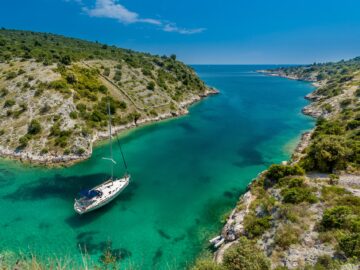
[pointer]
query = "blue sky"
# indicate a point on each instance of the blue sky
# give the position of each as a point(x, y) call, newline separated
point(203, 31)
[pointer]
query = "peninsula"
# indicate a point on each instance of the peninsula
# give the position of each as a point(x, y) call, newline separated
point(54, 92)
point(304, 214)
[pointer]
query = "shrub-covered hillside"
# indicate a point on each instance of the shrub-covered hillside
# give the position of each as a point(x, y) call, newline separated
point(305, 214)
point(54, 93)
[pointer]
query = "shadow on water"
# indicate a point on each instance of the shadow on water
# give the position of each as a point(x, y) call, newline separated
point(58, 186)
point(187, 127)
point(63, 187)
point(157, 256)
point(6, 177)
point(233, 194)
point(163, 234)
point(204, 179)
point(179, 238)
point(15, 220)
point(249, 156)
point(85, 242)
point(44, 225)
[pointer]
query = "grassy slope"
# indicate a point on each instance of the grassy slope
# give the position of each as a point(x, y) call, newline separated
point(64, 83)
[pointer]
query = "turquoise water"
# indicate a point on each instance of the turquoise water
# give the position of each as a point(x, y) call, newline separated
point(187, 172)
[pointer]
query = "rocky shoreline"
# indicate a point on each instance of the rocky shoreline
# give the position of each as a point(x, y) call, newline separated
point(67, 160)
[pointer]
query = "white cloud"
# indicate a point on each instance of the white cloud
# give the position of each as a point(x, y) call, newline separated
point(113, 10)
point(170, 27)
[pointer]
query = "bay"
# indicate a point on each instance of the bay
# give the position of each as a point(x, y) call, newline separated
point(187, 173)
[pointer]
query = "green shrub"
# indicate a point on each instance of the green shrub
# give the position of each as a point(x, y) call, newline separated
point(327, 107)
point(71, 78)
point(277, 171)
point(354, 124)
point(103, 89)
point(327, 153)
point(332, 193)
point(245, 256)
point(44, 151)
point(58, 84)
point(350, 245)
point(11, 75)
point(336, 217)
point(297, 195)
point(325, 262)
point(207, 264)
point(286, 236)
point(34, 127)
point(106, 71)
point(117, 76)
point(4, 92)
point(151, 86)
point(122, 105)
point(24, 140)
point(81, 107)
point(66, 60)
point(9, 103)
point(80, 151)
point(46, 108)
point(73, 115)
point(345, 102)
point(256, 226)
point(290, 182)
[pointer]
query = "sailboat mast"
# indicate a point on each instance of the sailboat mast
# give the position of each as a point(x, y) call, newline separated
point(110, 140)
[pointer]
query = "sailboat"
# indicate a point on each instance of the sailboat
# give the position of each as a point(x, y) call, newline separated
point(92, 199)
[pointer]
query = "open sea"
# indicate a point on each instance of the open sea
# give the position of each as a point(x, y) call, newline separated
point(187, 173)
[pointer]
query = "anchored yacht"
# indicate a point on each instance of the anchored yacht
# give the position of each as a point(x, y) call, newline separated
point(91, 199)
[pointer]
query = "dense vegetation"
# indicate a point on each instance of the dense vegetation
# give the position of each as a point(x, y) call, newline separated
point(49, 48)
point(335, 141)
point(334, 72)
point(285, 198)
point(64, 85)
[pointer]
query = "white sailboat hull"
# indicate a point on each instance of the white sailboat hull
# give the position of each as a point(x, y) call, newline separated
point(109, 191)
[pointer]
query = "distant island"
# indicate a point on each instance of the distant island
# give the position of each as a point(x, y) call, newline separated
point(304, 213)
point(54, 92)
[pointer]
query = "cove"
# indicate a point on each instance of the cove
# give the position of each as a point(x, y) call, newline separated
point(186, 174)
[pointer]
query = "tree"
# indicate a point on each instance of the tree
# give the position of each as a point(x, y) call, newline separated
point(327, 153)
point(350, 245)
point(9, 103)
point(336, 217)
point(34, 127)
point(24, 140)
point(173, 57)
point(66, 60)
point(151, 86)
point(71, 78)
point(277, 171)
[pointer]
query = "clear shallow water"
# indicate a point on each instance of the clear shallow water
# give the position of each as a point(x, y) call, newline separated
point(186, 172)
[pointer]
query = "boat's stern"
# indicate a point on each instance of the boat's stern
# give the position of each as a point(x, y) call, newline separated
point(79, 208)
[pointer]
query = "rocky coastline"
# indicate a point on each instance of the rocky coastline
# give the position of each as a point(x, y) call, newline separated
point(28, 157)
point(234, 226)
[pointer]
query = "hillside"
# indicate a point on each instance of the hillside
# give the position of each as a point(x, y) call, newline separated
point(54, 92)
point(305, 214)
